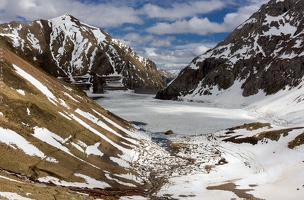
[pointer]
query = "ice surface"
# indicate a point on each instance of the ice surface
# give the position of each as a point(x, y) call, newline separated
point(184, 118)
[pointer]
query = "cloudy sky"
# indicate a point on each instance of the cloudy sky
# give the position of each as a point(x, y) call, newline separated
point(169, 32)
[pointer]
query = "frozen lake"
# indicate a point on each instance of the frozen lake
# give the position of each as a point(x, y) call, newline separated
point(183, 118)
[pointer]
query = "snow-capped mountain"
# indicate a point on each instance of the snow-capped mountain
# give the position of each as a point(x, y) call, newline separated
point(67, 47)
point(264, 54)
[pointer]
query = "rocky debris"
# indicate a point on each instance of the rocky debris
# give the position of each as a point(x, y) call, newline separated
point(264, 53)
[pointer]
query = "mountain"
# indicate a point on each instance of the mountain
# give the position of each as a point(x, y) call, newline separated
point(68, 48)
point(168, 76)
point(262, 55)
point(55, 141)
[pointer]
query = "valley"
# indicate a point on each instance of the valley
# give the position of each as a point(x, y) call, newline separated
point(205, 159)
point(230, 125)
point(183, 118)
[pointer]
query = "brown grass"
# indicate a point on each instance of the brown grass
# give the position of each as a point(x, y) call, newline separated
point(299, 140)
point(251, 126)
point(45, 114)
point(232, 187)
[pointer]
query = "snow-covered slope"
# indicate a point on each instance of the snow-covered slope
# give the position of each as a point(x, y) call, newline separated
point(259, 64)
point(67, 47)
point(264, 53)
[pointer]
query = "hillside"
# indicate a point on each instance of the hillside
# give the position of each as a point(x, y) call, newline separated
point(262, 55)
point(80, 53)
point(54, 139)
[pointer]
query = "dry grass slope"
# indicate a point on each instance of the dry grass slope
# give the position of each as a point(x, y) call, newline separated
point(25, 108)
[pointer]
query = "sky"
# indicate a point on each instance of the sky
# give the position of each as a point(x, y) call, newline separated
point(169, 32)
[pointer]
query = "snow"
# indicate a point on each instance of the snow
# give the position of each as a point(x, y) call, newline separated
point(118, 181)
point(28, 111)
point(284, 27)
point(95, 120)
point(93, 149)
point(90, 182)
point(184, 118)
point(120, 162)
point(256, 168)
point(64, 115)
point(53, 160)
point(21, 92)
point(14, 140)
point(259, 165)
point(68, 95)
point(127, 154)
point(13, 196)
point(10, 179)
point(43, 89)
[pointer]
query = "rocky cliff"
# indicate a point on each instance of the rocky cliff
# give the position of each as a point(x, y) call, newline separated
point(265, 53)
point(66, 47)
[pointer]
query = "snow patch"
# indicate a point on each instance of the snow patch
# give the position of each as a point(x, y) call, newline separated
point(43, 89)
point(16, 141)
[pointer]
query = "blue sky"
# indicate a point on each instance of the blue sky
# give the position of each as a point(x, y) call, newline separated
point(169, 32)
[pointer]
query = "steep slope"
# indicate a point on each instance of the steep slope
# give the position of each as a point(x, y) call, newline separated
point(52, 133)
point(264, 54)
point(72, 49)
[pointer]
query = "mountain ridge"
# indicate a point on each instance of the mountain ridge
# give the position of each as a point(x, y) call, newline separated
point(255, 53)
point(73, 48)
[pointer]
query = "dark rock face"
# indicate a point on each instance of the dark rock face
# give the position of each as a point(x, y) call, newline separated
point(264, 53)
point(66, 47)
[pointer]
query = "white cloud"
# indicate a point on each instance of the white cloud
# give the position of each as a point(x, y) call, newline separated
point(232, 20)
point(203, 26)
point(149, 40)
point(182, 10)
point(196, 48)
point(195, 25)
point(101, 15)
point(176, 58)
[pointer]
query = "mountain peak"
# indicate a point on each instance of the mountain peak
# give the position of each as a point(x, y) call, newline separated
point(80, 53)
point(264, 54)
point(65, 17)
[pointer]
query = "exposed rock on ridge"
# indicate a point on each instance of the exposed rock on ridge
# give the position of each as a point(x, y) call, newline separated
point(264, 53)
point(66, 47)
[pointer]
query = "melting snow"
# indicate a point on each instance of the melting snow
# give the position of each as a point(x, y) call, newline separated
point(94, 150)
point(13, 196)
point(21, 92)
point(10, 179)
point(120, 162)
point(64, 115)
point(28, 111)
point(43, 89)
point(14, 140)
point(90, 182)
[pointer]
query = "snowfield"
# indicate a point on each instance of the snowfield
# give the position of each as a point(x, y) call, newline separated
point(184, 118)
point(205, 166)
